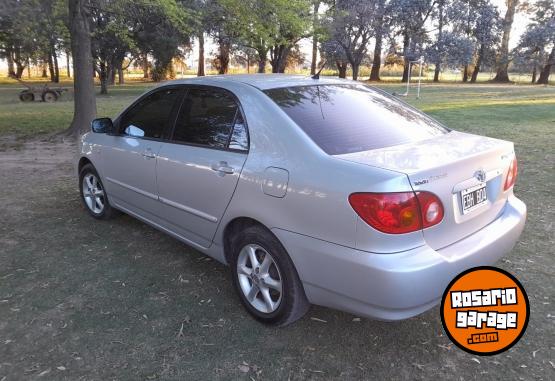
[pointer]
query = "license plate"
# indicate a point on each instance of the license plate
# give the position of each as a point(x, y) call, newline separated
point(473, 198)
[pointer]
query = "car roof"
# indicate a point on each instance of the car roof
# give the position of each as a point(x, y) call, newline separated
point(263, 81)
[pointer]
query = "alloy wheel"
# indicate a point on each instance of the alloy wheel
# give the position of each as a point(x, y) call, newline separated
point(259, 278)
point(93, 193)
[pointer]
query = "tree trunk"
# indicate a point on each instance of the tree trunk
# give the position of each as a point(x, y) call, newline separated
point(9, 58)
point(441, 5)
point(546, 71)
point(314, 62)
point(356, 68)
point(145, 66)
point(465, 74)
point(262, 60)
point(377, 60)
point(341, 68)
point(28, 68)
point(476, 71)
point(503, 56)
point(19, 69)
point(68, 53)
point(84, 104)
point(103, 77)
point(200, 68)
point(56, 67)
point(44, 74)
point(223, 56)
point(50, 67)
point(111, 74)
point(406, 59)
point(278, 58)
point(121, 79)
point(534, 74)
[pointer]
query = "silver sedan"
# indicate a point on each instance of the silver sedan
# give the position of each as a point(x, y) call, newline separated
point(319, 191)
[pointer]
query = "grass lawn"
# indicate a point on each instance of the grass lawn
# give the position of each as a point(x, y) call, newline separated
point(482, 108)
point(87, 299)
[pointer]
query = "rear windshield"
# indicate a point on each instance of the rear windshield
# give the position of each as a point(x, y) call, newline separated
point(353, 118)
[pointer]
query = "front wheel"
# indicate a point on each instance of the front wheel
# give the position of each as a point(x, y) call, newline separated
point(49, 96)
point(265, 278)
point(93, 194)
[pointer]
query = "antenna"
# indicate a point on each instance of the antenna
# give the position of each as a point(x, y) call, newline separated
point(317, 75)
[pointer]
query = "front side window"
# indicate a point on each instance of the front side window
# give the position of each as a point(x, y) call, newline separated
point(151, 116)
point(211, 117)
point(353, 118)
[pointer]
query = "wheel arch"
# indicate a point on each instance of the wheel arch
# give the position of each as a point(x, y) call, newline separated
point(82, 162)
point(233, 227)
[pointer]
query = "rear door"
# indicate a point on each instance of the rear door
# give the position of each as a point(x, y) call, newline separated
point(198, 170)
point(130, 155)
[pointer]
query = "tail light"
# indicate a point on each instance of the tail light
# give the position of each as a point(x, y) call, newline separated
point(398, 213)
point(511, 175)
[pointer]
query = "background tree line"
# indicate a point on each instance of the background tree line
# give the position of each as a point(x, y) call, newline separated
point(465, 34)
point(104, 37)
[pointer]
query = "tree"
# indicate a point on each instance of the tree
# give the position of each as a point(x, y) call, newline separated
point(111, 39)
point(503, 55)
point(486, 34)
point(84, 104)
point(410, 17)
point(20, 40)
point(272, 31)
point(382, 22)
point(478, 22)
point(440, 40)
point(537, 44)
point(159, 28)
point(334, 54)
point(453, 50)
point(315, 35)
point(350, 24)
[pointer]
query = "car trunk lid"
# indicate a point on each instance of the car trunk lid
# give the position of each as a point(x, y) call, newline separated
point(455, 167)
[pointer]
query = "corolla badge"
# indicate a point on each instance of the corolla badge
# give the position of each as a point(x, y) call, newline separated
point(480, 175)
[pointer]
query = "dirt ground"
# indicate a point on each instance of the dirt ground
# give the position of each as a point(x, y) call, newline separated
point(87, 300)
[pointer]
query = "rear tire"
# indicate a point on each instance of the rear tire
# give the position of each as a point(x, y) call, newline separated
point(26, 96)
point(265, 278)
point(93, 194)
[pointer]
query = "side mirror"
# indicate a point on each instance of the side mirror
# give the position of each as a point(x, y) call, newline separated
point(102, 125)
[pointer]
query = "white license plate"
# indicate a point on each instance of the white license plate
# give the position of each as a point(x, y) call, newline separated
point(474, 197)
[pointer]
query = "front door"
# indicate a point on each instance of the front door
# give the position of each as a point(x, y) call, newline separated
point(198, 170)
point(129, 160)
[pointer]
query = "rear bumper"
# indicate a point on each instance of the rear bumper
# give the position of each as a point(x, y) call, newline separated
point(401, 285)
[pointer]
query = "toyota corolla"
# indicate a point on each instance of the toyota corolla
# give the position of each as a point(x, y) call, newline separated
point(320, 191)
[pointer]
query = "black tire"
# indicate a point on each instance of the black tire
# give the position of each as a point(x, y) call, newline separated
point(107, 211)
point(49, 96)
point(26, 96)
point(294, 303)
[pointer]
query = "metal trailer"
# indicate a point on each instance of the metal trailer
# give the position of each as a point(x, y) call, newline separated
point(45, 93)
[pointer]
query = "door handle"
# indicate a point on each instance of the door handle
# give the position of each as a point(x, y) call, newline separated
point(222, 168)
point(148, 154)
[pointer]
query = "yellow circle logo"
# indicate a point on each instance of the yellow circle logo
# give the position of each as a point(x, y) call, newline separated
point(485, 310)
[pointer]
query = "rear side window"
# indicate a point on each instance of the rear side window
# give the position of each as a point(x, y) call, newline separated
point(150, 117)
point(353, 118)
point(210, 117)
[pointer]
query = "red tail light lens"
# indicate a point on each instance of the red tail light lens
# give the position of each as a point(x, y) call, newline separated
point(431, 208)
point(398, 213)
point(511, 174)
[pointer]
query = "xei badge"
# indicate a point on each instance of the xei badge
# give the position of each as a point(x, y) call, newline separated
point(485, 310)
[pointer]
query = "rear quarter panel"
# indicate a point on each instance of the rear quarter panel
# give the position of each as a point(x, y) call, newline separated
point(316, 203)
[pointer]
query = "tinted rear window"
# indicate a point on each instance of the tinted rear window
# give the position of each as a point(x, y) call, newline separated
point(352, 118)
